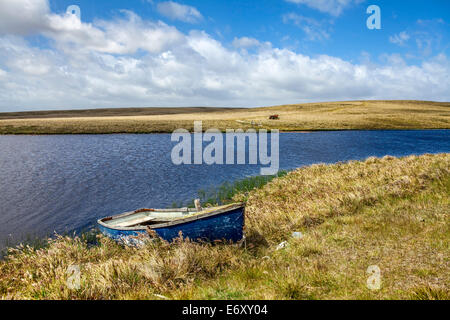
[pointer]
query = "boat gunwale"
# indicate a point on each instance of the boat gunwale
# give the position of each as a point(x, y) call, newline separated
point(129, 213)
point(180, 221)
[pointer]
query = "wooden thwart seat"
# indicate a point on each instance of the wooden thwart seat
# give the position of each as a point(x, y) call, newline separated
point(134, 222)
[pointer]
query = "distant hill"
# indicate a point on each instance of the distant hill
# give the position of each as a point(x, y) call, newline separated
point(109, 112)
point(346, 115)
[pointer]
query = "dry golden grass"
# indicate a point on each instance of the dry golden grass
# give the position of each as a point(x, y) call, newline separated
point(355, 115)
point(393, 213)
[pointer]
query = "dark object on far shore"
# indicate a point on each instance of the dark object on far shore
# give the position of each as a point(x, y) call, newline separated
point(274, 117)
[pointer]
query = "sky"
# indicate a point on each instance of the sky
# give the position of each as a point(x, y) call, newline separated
point(224, 53)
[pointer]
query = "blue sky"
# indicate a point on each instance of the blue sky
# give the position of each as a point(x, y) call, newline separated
point(348, 35)
point(221, 53)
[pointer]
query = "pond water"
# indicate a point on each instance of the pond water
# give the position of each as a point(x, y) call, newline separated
point(65, 183)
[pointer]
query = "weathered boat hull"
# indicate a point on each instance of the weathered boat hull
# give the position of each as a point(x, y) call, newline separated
point(227, 225)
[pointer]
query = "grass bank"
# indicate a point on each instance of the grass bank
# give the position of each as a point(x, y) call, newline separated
point(391, 213)
point(226, 192)
point(352, 115)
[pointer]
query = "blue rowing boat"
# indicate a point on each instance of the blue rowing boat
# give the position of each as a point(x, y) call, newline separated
point(211, 224)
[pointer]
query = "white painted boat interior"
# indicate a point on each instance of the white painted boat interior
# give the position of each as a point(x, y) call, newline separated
point(144, 217)
point(155, 217)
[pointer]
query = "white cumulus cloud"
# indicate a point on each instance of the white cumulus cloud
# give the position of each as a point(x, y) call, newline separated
point(23, 16)
point(245, 42)
point(122, 36)
point(132, 62)
point(314, 30)
point(400, 39)
point(177, 11)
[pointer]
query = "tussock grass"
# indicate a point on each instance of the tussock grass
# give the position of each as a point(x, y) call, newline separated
point(227, 191)
point(389, 212)
point(353, 115)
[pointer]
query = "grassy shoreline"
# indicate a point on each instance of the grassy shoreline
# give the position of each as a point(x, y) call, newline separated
point(330, 116)
point(223, 131)
point(389, 212)
point(214, 196)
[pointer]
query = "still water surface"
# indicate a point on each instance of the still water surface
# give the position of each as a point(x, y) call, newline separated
point(65, 183)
